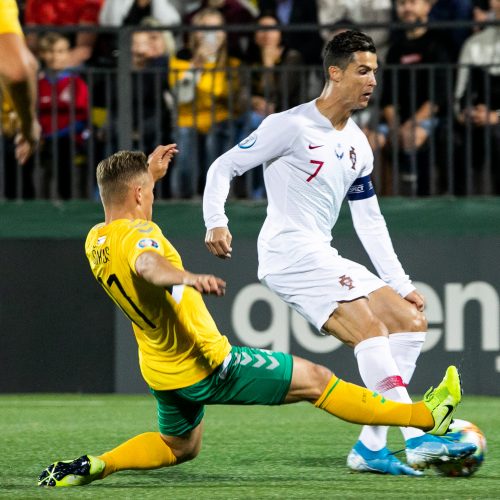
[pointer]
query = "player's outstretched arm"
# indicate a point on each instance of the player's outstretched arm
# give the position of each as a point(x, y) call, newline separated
point(218, 241)
point(18, 69)
point(158, 271)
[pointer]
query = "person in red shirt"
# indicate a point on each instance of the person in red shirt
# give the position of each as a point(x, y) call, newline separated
point(65, 13)
point(63, 113)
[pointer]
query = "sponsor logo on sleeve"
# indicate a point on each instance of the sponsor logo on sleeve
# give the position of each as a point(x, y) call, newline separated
point(148, 243)
point(248, 142)
point(356, 189)
point(361, 189)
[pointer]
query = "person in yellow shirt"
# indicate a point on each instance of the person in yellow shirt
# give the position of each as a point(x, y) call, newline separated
point(204, 79)
point(18, 78)
point(183, 357)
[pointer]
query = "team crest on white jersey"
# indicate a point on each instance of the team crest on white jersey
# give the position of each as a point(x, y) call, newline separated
point(352, 157)
point(345, 280)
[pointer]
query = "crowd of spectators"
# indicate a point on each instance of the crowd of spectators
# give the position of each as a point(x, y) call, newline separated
point(207, 89)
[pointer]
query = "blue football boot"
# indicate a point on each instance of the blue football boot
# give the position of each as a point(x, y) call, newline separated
point(422, 451)
point(362, 459)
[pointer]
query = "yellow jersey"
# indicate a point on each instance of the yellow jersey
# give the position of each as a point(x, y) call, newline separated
point(215, 87)
point(179, 343)
point(9, 17)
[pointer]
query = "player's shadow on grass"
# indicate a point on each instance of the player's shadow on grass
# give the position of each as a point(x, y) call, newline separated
point(188, 477)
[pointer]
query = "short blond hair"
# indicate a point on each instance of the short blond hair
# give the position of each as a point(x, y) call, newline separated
point(115, 173)
point(152, 22)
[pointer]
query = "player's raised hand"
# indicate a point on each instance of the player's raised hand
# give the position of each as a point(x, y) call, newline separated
point(206, 283)
point(159, 160)
point(218, 241)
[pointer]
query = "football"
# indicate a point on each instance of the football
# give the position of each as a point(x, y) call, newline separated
point(465, 432)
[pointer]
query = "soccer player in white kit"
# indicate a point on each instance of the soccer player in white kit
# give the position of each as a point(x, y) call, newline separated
point(314, 155)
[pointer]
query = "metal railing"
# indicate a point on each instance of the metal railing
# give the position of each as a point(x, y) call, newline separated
point(137, 109)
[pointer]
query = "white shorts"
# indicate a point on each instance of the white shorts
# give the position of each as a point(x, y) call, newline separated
point(315, 285)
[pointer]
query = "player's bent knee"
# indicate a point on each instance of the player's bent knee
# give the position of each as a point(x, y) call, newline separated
point(416, 321)
point(355, 331)
point(321, 376)
point(187, 455)
point(183, 449)
point(309, 381)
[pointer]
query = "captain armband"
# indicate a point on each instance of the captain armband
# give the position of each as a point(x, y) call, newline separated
point(361, 189)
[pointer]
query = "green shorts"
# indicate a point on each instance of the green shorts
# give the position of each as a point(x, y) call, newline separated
point(246, 377)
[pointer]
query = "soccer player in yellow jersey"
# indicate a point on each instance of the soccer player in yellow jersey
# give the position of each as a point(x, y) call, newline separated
point(184, 359)
point(18, 77)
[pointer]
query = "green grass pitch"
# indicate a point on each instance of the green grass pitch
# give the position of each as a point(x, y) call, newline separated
point(285, 452)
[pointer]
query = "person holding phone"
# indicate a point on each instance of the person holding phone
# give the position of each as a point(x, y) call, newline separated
point(204, 79)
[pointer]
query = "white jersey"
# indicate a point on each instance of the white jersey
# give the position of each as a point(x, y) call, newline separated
point(309, 167)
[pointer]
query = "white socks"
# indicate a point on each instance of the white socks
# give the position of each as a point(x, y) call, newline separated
point(386, 366)
point(405, 349)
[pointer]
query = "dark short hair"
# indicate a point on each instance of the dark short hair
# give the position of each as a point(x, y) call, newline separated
point(339, 51)
point(48, 40)
point(115, 173)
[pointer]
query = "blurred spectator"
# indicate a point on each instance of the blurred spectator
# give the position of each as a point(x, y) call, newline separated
point(189, 7)
point(10, 125)
point(116, 13)
point(63, 114)
point(290, 12)
point(18, 69)
point(477, 105)
point(151, 51)
point(410, 114)
point(358, 12)
point(452, 10)
point(65, 13)
point(275, 83)
point(204, 80)
point(234, 12)
point(186, 7)
point(481, 11)
point(161, 43)
point(132, 12)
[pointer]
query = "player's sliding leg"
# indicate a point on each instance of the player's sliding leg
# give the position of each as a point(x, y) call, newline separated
point(143, 452)
point(359, 405)
point(77, 472)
